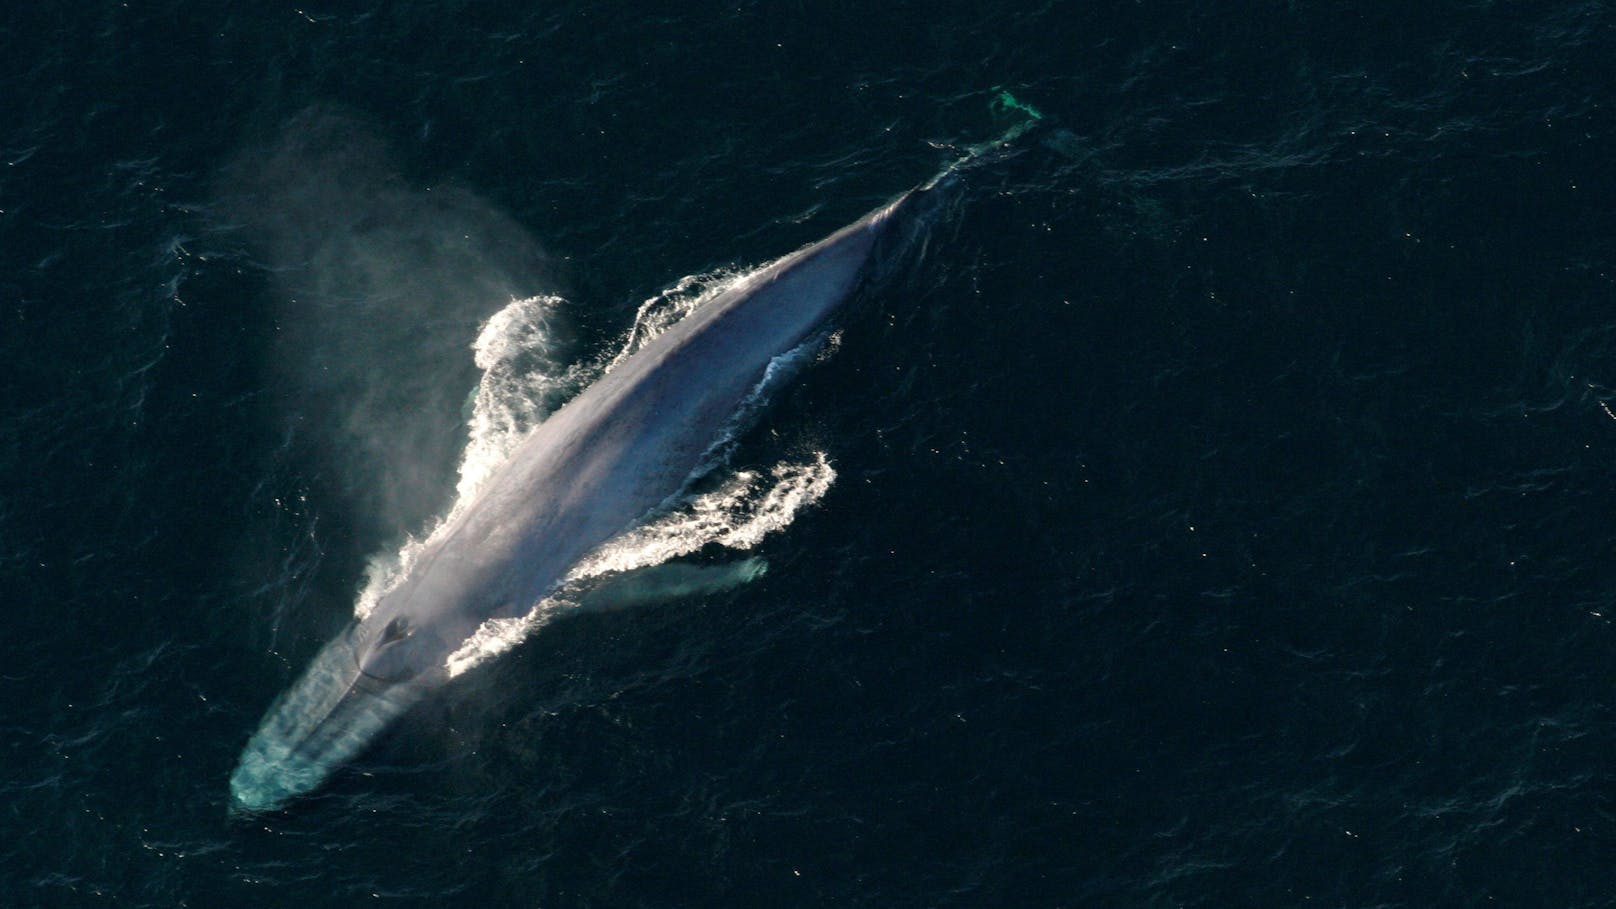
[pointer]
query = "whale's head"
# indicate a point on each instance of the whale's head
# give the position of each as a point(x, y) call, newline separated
point(364, 679)
point(359, 683)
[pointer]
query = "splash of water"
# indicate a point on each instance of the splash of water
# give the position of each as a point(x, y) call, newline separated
point(738, 515)
point(522, 383)
point(659, 313)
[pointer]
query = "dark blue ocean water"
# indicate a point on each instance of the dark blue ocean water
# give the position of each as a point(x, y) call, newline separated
point(1224, 499)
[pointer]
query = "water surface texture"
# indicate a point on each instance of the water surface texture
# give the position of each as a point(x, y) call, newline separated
point(1218, 508)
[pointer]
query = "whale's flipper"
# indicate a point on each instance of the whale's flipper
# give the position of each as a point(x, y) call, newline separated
point(668, 581)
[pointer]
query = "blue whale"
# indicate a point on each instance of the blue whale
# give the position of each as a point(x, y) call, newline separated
point(626, 445)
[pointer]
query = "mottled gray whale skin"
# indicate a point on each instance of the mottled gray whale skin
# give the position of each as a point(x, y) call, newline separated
point(594, 469)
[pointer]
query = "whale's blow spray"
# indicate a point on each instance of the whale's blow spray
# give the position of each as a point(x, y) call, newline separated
point(378, 284)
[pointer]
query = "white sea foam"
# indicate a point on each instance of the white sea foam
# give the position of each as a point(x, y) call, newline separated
point(495, 636)
point(524, 381)
point(659, 313)
point(739, 514)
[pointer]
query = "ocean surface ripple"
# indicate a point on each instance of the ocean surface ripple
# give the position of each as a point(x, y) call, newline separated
point(1215, 510)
